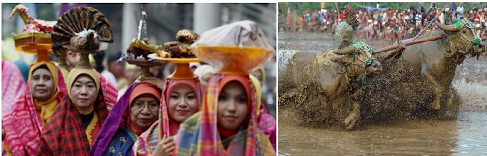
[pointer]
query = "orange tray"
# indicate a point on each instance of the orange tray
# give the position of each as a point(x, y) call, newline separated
point(182, 70)
point(233, 59)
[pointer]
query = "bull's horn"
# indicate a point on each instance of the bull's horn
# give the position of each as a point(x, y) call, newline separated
point(345, 51)
point(446, 27)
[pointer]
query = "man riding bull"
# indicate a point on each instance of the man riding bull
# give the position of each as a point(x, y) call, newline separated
point(345, 29)
point(351, 59)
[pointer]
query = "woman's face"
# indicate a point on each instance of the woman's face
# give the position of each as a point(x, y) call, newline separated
point(41, 85)
point(83, 92)
point(182, 103)
point(73, 58)
point(232, 106)
point(144, 110)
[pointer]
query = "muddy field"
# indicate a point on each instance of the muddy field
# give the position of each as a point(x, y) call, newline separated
point(465, 133)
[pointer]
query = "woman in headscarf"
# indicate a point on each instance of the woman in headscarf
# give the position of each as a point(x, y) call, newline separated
point(227, 123)
point(31, 113)
point(133, 114)
point(79, 116)
point(180, 100)
point(267, 123)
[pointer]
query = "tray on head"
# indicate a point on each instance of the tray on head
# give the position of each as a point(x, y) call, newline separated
point(233, 59)
point(139, 62)
point(174, 60)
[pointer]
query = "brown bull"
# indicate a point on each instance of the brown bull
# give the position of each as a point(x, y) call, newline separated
point(335, 77)
point(436, 61)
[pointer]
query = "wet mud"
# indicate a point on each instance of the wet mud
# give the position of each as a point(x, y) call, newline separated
point(393, 121)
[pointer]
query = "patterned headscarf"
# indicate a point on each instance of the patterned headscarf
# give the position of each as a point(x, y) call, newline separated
point(65, 133)
point(198, 135)
point(23, 125)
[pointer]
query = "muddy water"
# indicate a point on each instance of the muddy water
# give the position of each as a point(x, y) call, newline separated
point(467, 135)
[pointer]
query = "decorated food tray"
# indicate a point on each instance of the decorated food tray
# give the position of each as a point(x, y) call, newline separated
point(233, 59)
point(174, 60)
point(136, 43)
point(139, 62)
point(32, 38)
point(35, 48)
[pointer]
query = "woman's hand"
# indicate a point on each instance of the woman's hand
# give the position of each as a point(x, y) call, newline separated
point(165, 147)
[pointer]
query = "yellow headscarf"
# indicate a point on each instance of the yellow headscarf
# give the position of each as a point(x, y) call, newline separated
point(262, 72)
point(47, 107)
point(258, 91)
point(73, 74)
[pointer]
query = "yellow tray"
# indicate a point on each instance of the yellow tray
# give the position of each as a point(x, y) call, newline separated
point(233, 59)
point(35, 48)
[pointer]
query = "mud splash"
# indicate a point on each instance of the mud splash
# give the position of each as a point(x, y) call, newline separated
point(414, 133)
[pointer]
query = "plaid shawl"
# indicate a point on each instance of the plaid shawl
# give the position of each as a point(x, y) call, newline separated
point(23, 126)
point(65, 134)
point(147, 140)
point(12, 86)
point(198, 135)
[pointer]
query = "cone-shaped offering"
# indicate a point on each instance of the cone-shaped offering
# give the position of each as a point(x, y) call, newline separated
point(139, 49)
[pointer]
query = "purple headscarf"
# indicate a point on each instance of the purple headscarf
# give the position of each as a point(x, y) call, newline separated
point(114, 120)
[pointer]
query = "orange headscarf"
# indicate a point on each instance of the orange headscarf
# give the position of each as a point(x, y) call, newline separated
point(141, 89)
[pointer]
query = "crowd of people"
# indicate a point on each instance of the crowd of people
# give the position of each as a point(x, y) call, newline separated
point(108, 109)
point(388, 23)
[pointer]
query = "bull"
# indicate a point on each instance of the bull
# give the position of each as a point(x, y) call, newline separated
point(333, 77)
point(436, 61)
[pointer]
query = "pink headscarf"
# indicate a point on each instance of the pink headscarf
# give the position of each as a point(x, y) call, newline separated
point(169, 127)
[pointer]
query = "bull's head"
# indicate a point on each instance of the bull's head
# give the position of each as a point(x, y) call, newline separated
point(461, 37)
point(361, 60)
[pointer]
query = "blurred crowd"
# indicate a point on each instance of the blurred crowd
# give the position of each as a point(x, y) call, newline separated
point(387, 23)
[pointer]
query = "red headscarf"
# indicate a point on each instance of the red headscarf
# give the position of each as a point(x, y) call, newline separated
point(170, 127)
point(244, 82)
